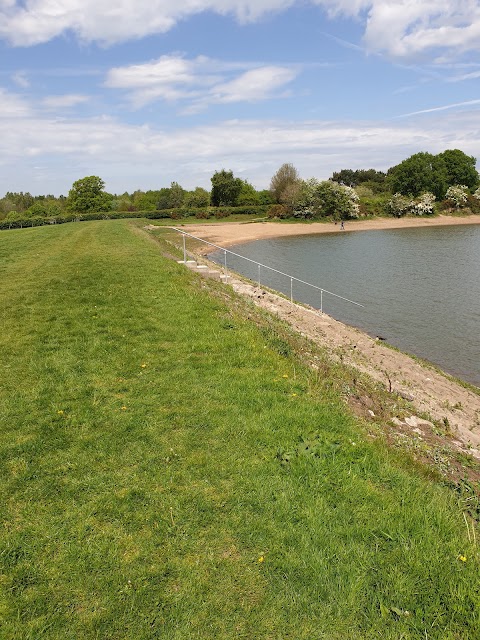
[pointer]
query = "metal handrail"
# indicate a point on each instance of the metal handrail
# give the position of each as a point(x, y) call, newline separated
point(265, 266)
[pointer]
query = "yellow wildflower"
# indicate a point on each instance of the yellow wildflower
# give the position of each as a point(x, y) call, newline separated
point(124, 408)
point(60, 412)
point(462, 558)
point(261, 559)
point(143, 366)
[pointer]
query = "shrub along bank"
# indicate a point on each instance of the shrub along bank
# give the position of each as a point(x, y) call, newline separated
point(204, 213)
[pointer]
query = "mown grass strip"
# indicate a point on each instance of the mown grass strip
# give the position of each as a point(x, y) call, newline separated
point(167, 473)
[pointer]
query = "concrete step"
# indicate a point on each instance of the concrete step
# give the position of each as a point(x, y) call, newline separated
point(205, 270)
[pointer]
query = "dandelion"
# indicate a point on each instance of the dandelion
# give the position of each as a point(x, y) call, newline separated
point(294, 395)
point(60, 412)
point(462, 558)
point(124, 408)
point(284, 375)
point(143, 366)
point(261, 559)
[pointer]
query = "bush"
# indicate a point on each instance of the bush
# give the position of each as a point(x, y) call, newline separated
point(474, 202)
point(457, 195)
point(425, 205)
point(202, 214)
point(277, 211)
point(373, 205)
point(398, 205)
point(221, 213)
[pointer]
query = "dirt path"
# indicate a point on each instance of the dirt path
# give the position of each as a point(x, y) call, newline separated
point(430, 391)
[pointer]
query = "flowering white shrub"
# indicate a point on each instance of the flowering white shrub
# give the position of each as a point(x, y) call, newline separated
point(399, 205)
point(477, 194)
point(320, 199)
point(424, 205)
point(353, 206)
point(458, 194)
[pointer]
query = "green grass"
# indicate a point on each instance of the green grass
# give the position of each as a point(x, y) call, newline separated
point(156, 482)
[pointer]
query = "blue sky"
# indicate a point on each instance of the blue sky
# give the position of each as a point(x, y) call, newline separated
point(152, 91)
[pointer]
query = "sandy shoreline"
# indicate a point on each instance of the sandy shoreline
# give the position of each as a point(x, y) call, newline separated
point(226, 234)
point(432, 392)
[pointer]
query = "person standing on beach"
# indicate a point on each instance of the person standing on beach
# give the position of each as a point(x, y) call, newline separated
point(342, 226)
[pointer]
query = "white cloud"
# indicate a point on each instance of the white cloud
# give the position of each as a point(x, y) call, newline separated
point(12, 105)
point(20, 78)
point(200, 81)
point(107, 22)
point(254, 85)
point(473, 75)
point(402, 28)
point(64, 101)
point(129, 157)
point(446, 107)
point(408, 28)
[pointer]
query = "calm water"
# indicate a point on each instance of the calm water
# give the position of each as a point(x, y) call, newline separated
point(420, 287)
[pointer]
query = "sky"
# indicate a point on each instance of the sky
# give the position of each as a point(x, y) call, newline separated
point(146, 92)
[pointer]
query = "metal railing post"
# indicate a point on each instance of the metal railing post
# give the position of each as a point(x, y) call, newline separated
point(184, 249)
point(291, 289)
point(225, 258)
point(259, 284)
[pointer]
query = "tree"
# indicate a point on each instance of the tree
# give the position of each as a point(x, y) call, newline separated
point(419, 173)
point(352, 178)
point(337, 200)
point(177, 196)
point(265, 196)
point(304, 202)
point(285, 177)
point(87, 194)
point(197, 198)
point(320, 199)
point(248, 195)
point(460, 168)
point(225, 189)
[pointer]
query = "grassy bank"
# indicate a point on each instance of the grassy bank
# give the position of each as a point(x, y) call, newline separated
point(170, 470)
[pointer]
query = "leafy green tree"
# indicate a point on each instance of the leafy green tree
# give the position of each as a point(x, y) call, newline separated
point(20, 201)
point(282, 182)
point(145, 201)
point(460, 168)
point(265, 196)
point(197, 198)
point(354, 177)
point(87, 194)
point(248, 195)
point(419, 173)
point(225, 189)
point(161, 198)
point(176, 196)
point(124, 203)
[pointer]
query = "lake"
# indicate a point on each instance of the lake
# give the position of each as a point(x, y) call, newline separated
point(420, 287)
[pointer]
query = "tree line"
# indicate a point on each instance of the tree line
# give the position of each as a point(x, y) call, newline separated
point(420, 185)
